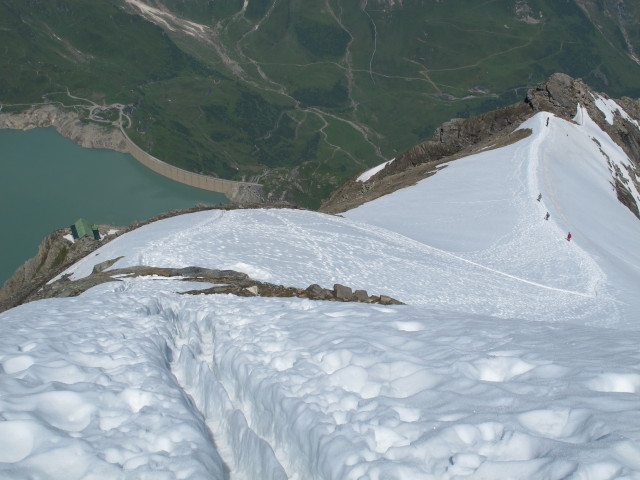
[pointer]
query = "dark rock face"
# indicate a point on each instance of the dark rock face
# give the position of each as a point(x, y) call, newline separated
point(560, 95)
point(457, 138)
point(55, 254)
point(632, 106)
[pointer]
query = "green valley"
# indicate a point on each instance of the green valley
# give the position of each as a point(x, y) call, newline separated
point(301, 95)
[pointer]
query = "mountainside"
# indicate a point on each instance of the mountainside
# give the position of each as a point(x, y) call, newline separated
point(514, 356)
point(300, 96)
point(560, 95)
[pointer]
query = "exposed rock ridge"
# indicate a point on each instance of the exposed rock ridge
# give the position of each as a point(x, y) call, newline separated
point(457, 138)
point(227, 282)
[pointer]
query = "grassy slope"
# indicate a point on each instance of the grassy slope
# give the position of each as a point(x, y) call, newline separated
point(321, 90)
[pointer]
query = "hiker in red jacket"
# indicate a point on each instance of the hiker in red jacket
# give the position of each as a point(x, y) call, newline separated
point(569, 237)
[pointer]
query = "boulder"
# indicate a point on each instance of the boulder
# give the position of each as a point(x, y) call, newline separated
point(385, 300)
point(342, 293)
point(360, 296)
point(316, 292)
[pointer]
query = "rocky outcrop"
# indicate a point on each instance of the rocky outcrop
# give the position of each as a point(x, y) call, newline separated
point(457, 138)
point(453, 139)
point(68, 124)
point(55, 254)
point(248, 194)
point(562, 94)
point(227, 282)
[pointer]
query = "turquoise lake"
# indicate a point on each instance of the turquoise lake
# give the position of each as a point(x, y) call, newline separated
point(48, 182)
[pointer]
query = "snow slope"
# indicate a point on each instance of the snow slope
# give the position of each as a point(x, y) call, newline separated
point(483, 208)
point(515, 357)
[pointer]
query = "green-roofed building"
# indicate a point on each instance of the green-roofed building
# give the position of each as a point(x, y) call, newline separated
point(83, 228)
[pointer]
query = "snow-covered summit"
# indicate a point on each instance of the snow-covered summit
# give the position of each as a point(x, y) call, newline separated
point(515, 356)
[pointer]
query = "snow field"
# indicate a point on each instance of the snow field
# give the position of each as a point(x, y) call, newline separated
point(298, 248)
point(483, 208)
point(516, 355)
point(360, 391)
point(86, 393)
point(299, 389)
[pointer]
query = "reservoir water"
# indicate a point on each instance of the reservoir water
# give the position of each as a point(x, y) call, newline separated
point(48, 182)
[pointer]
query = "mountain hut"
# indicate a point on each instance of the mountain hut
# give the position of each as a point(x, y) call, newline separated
point(83, 228)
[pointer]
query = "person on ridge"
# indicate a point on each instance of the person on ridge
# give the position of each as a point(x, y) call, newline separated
point(569, 237)
point(539, 196)
point(546, 217)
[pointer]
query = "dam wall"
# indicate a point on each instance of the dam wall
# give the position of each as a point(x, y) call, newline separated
point(236, 192)
point(91, 135)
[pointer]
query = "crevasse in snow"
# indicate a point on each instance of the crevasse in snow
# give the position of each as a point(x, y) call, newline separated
point(515, 356)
